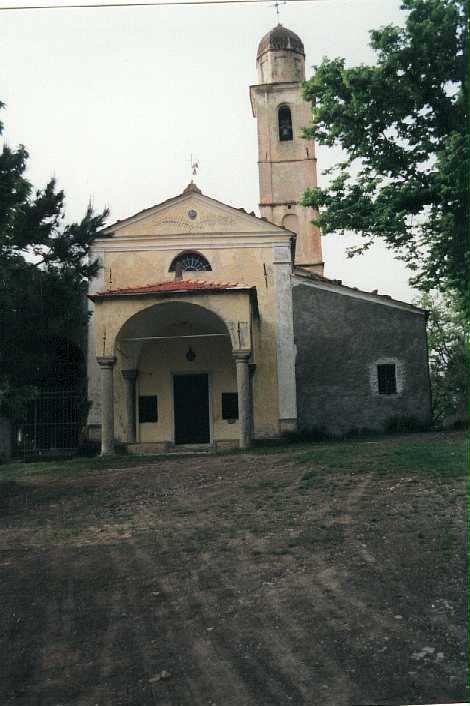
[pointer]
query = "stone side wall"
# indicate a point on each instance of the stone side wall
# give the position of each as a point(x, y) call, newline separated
point(340, 340)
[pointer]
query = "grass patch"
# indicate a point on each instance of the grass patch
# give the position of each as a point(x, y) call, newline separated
point(265, 484)
point(16, 496)
point(74, 466)
point(310, 478)
point(439, 458)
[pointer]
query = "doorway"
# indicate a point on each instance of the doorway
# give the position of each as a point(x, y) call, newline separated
point(191, 408)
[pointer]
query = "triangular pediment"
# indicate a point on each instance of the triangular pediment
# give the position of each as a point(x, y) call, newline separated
point(191, 212)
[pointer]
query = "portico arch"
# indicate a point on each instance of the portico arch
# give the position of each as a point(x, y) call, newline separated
point(155, 347)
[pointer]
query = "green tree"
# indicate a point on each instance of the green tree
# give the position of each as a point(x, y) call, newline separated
point(44, 266)
point(448, 356)
point(401, 124)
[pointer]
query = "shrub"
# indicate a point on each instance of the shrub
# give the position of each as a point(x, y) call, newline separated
point(405, 423)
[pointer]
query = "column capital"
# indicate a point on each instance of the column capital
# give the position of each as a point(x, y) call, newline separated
point(106, 361)
point(241, 355)
point(129, 374)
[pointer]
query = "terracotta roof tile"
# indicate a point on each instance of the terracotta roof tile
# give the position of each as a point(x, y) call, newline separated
point(172, 286)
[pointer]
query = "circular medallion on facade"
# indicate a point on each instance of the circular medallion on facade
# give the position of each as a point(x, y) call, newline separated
point(192, 214)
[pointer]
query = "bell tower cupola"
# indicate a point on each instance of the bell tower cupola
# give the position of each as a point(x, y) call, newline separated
point(286, 161)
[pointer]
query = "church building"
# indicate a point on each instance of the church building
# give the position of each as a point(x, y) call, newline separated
point(215, 327)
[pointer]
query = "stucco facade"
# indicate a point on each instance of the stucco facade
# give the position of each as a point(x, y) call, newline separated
point(212, 326)
point(237, 308)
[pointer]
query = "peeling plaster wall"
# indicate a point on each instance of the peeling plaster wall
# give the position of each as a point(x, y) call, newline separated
point(239, 248)
point(287, 168)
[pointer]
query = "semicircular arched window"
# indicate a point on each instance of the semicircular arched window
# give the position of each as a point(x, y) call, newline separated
point(190, 262)
point(285, 123)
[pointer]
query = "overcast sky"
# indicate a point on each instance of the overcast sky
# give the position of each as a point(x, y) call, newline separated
point(114, 101)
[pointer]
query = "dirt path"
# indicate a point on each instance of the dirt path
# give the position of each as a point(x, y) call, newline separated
point(223, 581)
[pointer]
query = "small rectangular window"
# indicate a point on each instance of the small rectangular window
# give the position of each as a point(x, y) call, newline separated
point(387, 379)
point(229, 405)
point(148, 409)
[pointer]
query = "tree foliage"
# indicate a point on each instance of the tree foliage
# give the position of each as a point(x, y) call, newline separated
point(401, 124)
point(44, 265)
point(448, 356)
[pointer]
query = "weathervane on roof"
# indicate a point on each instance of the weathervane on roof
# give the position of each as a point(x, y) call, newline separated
point(276, 5)
point(194, 167)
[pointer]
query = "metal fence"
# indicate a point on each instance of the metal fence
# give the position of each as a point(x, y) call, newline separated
point(50, 425)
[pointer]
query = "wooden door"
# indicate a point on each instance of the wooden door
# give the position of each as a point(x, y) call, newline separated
point(191, 406)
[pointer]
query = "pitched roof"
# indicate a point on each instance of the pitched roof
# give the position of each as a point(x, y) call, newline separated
point(190, 189)
point(172, 286)
point(303, 273)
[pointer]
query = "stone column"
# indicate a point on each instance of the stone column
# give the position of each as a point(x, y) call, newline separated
point(286, 351)
point(252, 370)
point(243, 386)
point(95, 284)
point(130, 376)
point(106, 364)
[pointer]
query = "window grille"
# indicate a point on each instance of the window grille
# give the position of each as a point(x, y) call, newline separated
point(190, 262)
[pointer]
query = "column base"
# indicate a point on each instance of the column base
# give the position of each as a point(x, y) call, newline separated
point(287, 426)
point(94, 432)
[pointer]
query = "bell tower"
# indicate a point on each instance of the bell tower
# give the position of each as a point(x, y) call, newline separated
point(286, 161)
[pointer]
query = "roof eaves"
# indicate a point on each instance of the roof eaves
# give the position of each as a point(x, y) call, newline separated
point(137, 293)
point(300, 272)
point(108, 230)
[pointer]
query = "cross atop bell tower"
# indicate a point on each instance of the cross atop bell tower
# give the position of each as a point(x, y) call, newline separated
point(277, 4)
point(286, 161)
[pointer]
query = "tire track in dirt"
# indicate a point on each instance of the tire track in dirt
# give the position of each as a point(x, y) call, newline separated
point(22, 623)
point(250, 677)
point(196, 677)
point(382, 625)
point(127, 657)
point(199, 552)
point(254, 678)
point(277, 650)
point(269, 651)
point(79, 613)
point(304, 666)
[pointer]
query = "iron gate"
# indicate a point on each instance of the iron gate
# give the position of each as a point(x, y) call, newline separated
point(50, 425)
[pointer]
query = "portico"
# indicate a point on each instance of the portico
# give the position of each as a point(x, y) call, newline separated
point(176, 365)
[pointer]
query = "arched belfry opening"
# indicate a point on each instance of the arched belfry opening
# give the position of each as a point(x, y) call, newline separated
point(291, 222)
point(284, 119)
